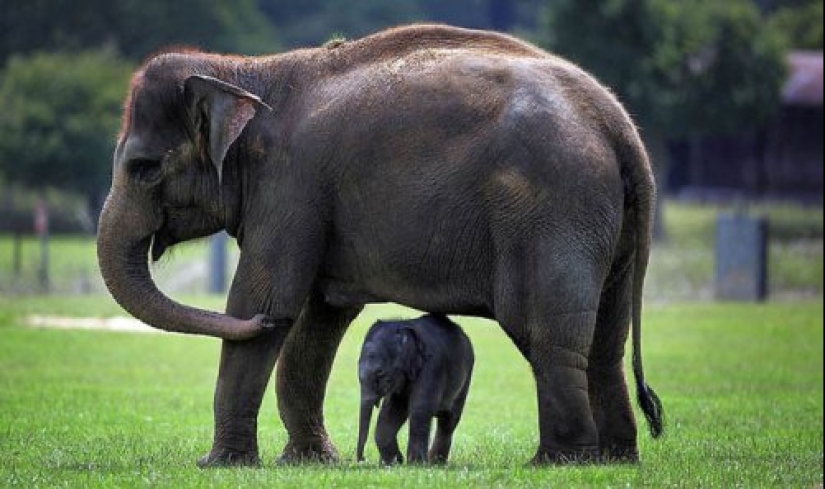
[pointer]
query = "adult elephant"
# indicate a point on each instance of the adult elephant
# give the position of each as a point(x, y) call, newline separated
point(451, 170)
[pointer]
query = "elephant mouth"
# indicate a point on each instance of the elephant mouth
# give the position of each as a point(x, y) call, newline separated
point(160, 243)
point(383, 384)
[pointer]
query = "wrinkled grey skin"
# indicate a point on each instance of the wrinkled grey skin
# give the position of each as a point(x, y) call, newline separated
point(421, 369)
point(454, 171)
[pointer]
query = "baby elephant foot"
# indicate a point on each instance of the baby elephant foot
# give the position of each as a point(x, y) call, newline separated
point(566, 457)
point(225, 457)
point(393, 458)
point(417, 457)
point(319, 451)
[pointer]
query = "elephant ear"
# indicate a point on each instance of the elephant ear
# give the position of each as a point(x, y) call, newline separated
point(220, 112)
point(414, 352)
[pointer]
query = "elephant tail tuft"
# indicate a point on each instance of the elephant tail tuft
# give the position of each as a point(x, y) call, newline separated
point(652, 408)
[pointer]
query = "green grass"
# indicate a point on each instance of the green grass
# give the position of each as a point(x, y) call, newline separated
point(73, 267)
point(682, 268)
point(742, 387)
point(72, 262)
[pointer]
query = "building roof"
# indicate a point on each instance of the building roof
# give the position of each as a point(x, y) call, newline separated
point(804, 85)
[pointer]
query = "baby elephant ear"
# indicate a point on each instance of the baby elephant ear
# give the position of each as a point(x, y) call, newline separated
point(220, 111)
point(414, 352)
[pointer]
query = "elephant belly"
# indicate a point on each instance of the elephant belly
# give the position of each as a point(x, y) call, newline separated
point(340, 293)
point(425, 271)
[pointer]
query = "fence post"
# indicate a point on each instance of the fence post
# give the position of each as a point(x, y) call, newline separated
point(217, 263)
point(17, 255)
point(741, 258)
point(41, 227)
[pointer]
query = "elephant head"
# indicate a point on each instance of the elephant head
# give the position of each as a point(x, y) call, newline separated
point(166, 188)
point(391, 358)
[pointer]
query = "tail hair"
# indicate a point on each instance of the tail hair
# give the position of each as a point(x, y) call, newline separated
point(652, 408)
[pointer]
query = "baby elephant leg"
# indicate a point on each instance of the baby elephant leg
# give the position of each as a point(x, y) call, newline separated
point(394, 411)
point(421, 420)
point(447, 423)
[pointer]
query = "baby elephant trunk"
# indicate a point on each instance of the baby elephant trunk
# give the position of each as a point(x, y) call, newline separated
point(367, 404)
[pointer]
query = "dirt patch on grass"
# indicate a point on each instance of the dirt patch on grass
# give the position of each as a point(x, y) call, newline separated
point(120, 323)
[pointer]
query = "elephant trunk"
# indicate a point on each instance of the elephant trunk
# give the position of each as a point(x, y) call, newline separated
point(124, 264)
point(367, 404)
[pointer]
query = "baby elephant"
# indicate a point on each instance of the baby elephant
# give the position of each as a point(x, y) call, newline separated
point(422, 369)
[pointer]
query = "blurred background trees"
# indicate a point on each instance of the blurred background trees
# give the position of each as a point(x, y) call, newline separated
point(684, 69)
point(134, 28)
point(59, 113)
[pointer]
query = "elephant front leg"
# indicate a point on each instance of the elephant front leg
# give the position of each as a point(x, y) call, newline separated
point(245, 369)
point(244, 372)
point(394, 411)
point(302, 375)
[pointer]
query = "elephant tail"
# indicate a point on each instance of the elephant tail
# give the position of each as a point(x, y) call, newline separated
point(641, 199)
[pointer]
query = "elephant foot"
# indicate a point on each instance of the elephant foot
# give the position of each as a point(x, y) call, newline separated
point(566, 457)
point(318, 451)
point(225, 457)
point(437, 458)
point(396, 459)
point(620, 454)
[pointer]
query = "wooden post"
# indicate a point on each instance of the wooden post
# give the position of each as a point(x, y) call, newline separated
point(217, 263)
point(17, 256)
point(41, 227)
point(741, 258)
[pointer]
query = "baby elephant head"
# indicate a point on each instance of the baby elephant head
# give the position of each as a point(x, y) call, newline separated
point(391, 358)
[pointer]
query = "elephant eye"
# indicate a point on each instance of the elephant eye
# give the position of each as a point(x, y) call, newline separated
point(146, 170)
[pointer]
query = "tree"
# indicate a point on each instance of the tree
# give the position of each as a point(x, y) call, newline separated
point(59, 119)
point(683, 68)
point(135, 28)
point(312, 22)
point(801, 24)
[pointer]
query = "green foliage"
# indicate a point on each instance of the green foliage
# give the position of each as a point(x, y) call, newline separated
point(135, 28)
point(742, 386)
point(684, 68)
point(801, 25)
point(310, 22)
point(61, 92)
point(60, 117)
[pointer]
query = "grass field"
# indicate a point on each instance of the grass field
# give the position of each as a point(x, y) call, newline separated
point(742, 387)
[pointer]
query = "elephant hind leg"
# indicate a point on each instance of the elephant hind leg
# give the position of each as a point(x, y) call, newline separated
point(549, 307)
point(607, 386)
point(447, 423)
point(302, 374)
point(568, 432)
